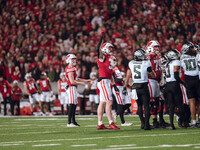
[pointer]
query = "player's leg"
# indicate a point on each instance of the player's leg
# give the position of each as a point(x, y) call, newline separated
point(31, 103)
point(171, 109)
point(91, 99)
point(18, 107)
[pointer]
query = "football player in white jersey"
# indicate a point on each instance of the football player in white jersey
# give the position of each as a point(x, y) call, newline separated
point(198, 58)
point(92, 86)
point(140, 68)
point(189, 64)
point(174, 97)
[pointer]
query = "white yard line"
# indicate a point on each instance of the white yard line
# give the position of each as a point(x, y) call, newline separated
point(149, 147)
point(10, 144)
point(45, 145)
point(122, 145)
point(85, 145)
point(95, 138)
point(50, 119)
point(24, 133)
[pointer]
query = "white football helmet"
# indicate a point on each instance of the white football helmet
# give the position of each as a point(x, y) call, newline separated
point(113, 61)
point(106, 48)
point(93, 75)
point(43, 74)
point(27, 76)
point(69, 58)
point(150, 46)
point(62, 75)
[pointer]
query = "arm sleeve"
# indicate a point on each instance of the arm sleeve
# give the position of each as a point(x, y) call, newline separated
point(176, 76)
point(98, 46)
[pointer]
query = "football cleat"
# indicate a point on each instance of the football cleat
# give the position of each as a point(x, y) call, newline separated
point(172, 127)
point(101, 127)
point(113, 126)
point(71, 125)
point(76, 124)
point(126, 124)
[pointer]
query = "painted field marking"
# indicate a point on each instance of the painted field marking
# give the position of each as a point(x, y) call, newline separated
point(23, 133)
point(51, 119)
point(10, 144)
point(197, 147)
point(85, 145)
point(122, 145)
point(45, 145)
point(148, 147)
point(95, 138)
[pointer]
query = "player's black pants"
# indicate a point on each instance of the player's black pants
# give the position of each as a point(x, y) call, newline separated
point(13, 107)
point(175, 98)
point(71, 113)
point(143, 100)
point(5, 100)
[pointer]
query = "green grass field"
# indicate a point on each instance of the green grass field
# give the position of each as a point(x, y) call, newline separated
point(39, 133)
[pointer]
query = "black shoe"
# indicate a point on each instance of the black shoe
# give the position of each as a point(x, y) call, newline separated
point(162, 125)
point(76, 124)
point(172, 127)
point(142, 126)
point(155, 124)
point(180, 123)
point(147, 127)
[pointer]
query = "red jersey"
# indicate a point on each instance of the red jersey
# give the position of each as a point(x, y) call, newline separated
point(105, 68)
point(5, 88)
point(118, 74)
point(17, 93)
point(44, 84)
point(68, 69)
point(30, 86)
point(62, 85)
point(155, 64)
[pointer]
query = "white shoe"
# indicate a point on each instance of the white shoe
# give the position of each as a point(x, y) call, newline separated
point(126, 124)
point(71, 125)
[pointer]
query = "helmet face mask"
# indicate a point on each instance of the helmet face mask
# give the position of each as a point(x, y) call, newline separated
point(140, 54)
point(93, 75)
point(153, 47)
point(27, 77)
point(164, 60)
point(71, 59)
point(107, 48)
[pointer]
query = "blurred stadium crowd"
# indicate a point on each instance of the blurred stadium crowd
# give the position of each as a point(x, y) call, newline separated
point(36, 35)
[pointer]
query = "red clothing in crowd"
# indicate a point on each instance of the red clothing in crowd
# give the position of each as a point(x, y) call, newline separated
point(5, 88)
point(16, 93)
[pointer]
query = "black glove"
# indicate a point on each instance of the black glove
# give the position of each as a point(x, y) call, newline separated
point(115, 87)
point(124, 91)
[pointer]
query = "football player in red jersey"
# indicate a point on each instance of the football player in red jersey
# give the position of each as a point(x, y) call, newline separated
point(153, 51)
point(5, 90)
point(120, 96)
point(45, 89)
point(71, 89)
point(62, 95)
point(31, 91)
point(105, 64)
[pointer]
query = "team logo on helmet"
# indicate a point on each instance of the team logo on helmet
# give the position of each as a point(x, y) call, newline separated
point(173, 54)
point(139, 54)
point(150, 48)
point(69, 58)
point(107, 48)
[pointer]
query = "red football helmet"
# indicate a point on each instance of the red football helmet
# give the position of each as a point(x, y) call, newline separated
point(107, 48)
point(153, 47)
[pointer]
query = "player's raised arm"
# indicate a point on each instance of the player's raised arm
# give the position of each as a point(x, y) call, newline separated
point(100, 55)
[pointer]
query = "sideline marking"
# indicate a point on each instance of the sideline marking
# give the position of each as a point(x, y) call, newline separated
point(45, 145)
point(95, 138)
point(84, 145)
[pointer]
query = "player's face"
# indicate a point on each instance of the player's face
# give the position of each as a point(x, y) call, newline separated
point(157, 49)
point(1, 79)
point(74, 61)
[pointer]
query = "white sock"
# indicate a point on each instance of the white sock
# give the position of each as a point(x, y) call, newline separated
point(110, 121)
point(100, 123)
point(194, 122)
